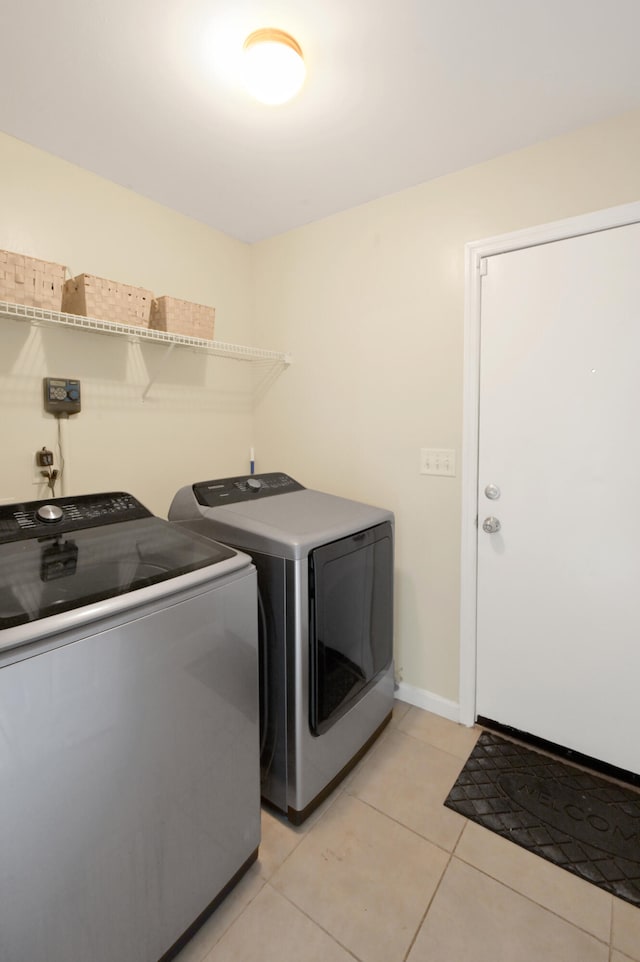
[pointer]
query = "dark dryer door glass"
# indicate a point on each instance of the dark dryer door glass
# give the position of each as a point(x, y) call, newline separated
point(351, 620)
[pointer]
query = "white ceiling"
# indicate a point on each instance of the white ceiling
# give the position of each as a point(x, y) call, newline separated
point(143, 93)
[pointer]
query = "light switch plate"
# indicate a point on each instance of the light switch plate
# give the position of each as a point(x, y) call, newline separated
point(438, 461)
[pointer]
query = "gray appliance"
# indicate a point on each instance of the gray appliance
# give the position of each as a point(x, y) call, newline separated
point(325, 578)
point(129, 730)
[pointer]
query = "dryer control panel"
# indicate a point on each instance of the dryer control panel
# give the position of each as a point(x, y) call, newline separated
point(244, 487)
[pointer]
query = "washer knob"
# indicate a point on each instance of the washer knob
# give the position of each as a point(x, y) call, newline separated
point(254, 484)
point(49, 513)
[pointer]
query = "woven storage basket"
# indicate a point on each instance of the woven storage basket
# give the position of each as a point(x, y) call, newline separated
point(27, 280)
point(183, 317)
point(91, 296)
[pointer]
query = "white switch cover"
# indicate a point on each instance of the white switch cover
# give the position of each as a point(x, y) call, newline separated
point(440, 461)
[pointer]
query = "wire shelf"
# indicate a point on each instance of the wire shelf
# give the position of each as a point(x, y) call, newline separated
point(237, 352)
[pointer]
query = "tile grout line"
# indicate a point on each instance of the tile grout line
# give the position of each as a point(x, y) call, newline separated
point(315, 922)
point(328, 803)
point(231, 923)
point(545, 908)
point(439, 748)
point(346, 792)
point(611, 933)
point(267, 880)
point(435, 892)
point(426, 911)
point(407, 828)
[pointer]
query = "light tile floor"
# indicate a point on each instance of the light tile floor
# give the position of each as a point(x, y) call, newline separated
point(382, 872)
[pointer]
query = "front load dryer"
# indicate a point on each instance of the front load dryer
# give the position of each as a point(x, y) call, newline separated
point(325, 579)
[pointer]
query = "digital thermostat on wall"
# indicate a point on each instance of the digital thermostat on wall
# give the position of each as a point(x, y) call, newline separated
point(61, 395)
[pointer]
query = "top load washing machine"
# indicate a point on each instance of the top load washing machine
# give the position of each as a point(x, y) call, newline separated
point(325, 578)
point(129, 730)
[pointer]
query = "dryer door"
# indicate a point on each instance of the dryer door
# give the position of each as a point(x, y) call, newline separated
point(351, 621)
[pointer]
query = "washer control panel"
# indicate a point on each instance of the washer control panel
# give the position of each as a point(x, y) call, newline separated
point(42, 519)
point(249, 487)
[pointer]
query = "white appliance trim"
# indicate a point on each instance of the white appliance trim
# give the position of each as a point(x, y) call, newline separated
point(475, 251)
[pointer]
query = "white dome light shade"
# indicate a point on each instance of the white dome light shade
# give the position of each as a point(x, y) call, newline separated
point(273, 66)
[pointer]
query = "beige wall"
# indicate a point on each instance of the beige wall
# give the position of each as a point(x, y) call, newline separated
point(370, 302)
point(196, 422)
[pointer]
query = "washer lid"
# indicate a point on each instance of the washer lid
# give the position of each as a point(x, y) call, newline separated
point(53, 573)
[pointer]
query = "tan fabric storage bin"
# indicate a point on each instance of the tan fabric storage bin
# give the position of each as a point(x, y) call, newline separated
point(29, 281)
point(183, 317)
point(91, 296)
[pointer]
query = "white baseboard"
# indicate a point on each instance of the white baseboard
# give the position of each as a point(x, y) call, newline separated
point(429, 701)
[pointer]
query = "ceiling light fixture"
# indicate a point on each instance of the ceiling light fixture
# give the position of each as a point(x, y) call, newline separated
point(274, 69)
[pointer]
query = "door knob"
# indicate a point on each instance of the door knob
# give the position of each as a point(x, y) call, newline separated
point(491, 525)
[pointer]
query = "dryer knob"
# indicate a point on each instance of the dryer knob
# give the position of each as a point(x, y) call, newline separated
point(254, 484)
point(49, 513)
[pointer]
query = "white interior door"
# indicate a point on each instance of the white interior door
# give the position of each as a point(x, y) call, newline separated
point(558, 610)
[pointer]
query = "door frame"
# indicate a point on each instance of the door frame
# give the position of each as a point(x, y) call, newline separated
point(475, 252)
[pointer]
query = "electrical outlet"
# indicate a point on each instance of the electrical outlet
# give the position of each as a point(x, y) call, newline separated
point(44, 458)
point(43, 464)
point(439, 461)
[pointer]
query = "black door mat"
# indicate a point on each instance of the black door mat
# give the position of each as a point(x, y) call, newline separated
point(578, 820)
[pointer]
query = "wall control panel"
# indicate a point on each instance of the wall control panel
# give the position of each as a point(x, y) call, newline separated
point(61, 396)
